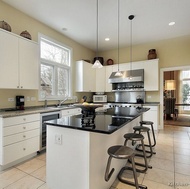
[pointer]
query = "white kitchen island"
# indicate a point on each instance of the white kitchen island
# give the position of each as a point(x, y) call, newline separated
point(77, 157)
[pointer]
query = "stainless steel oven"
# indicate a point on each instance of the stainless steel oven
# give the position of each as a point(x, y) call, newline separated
point(46, 117)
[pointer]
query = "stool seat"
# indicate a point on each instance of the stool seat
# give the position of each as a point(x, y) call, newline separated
point(146, 122)
point(150, 123)
point(133, 136)
point(120, 152)
point(138, 137)
point(141, 128)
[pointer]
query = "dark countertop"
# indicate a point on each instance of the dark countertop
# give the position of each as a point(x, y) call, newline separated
point(143, 104)
point(105, 122)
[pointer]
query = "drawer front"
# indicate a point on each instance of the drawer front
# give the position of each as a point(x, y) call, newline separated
point(20, 119)
point(19, 150)
point(73, 111)
point(21, 128)
point(11, 139)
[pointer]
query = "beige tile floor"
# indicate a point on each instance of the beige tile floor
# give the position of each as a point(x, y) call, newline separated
point(171, 166)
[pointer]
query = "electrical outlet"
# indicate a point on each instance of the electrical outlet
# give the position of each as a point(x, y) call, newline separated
point(58, 139)
point(10, 99)
point(33, 98)
point(27, 98)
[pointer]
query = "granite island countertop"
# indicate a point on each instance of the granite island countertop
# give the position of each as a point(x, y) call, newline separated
point(105, 122)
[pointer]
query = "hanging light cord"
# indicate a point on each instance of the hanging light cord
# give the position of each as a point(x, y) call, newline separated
point(118, 36)
point(131, 50)
point(97, 34)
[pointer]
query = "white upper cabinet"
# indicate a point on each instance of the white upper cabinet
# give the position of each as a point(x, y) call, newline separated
point(100, 79)
point(8, 61)
point(122, 67)
point(85, 77)
point(28, 64)
point(19, 62)
point(151, 81)
point(109, 70)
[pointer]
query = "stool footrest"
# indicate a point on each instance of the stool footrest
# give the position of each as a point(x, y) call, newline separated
point(142, 165)
point(126, 181)
point(151, 152)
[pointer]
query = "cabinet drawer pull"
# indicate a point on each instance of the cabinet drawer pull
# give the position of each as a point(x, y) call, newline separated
point(24, 127)
point(24, 119)
point(24, 149)
point(24, 136)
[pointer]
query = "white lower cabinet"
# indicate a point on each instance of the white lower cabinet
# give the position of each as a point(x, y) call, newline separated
point(19, 137)
point(152, 115)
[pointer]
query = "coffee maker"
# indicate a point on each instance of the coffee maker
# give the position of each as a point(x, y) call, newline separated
point(20, 102)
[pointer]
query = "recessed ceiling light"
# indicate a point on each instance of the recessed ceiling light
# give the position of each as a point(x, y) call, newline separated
point(107, 39)
point(171, 23)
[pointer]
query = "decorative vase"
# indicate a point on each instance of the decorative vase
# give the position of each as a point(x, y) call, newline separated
point(101, 59)
point(4, 25)
point(152, 54)
point(26, 35)
point(109, 62)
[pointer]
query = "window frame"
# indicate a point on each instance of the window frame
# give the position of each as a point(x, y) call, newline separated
point(184, 109)
point(57, 65)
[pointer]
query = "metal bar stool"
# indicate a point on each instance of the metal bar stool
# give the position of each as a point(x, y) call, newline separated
point(122, 152)
point(138, 137)
point(152, 128)
point(141, 129)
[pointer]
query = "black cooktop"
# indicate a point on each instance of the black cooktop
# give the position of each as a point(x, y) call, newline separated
point(102, 122)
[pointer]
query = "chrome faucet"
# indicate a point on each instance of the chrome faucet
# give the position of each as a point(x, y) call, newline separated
point(45, 103)
point(61, 102)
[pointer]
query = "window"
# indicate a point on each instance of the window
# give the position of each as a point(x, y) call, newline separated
point(186, 89)
point(55, 69)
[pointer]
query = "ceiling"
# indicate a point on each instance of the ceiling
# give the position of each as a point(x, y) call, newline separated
point(77, 19)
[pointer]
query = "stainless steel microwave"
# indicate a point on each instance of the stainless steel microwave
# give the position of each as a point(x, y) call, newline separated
point(99, 98)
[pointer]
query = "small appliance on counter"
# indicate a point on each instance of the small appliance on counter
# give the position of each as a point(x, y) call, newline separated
point(20, 102)
point(99, 98)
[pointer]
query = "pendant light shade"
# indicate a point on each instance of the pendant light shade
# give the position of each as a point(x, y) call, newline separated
point(131, 17)
point(118, 73)
point(97, 63)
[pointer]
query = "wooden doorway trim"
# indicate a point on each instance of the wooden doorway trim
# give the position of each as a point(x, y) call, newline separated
point(162, 70)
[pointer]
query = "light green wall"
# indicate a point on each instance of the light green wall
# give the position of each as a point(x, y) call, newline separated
point(171, 52)
point(20, 22)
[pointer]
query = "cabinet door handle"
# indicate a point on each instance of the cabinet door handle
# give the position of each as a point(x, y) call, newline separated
point(24, 119)
point(24, 136)
point(17, 87)
point(24, 127)
point(21, 87)
point(24, 149)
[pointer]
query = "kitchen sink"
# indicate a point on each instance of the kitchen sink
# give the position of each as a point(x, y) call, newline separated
point(61, 107)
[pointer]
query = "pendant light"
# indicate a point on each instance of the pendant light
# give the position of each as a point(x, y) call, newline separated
point(97, 63)
point(118, 73)
point(131, 50)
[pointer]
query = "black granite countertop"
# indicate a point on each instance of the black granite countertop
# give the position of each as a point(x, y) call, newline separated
point(106, 122)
